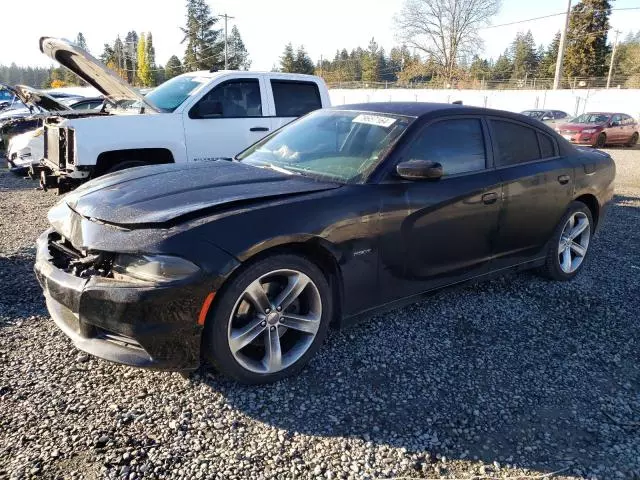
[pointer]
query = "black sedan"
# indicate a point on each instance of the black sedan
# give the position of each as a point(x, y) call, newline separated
point(246, 263)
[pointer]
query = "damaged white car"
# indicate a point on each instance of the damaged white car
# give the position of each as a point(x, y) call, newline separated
point(25, 150)
point(197, 116)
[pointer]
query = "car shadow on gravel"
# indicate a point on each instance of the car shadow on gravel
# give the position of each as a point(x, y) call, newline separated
point(518, 370)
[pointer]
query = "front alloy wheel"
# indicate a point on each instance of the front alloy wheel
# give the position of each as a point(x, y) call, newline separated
point(269, 320)
point(274, 321)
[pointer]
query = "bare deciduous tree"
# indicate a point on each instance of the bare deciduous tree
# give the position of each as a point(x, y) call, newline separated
point(446, 30)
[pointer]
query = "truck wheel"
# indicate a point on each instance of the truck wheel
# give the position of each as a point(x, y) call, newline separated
point(126, 164)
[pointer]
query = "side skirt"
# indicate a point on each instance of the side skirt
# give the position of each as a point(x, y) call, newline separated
point(353, 319)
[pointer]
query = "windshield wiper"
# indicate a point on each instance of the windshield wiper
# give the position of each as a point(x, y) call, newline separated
point(276, 168)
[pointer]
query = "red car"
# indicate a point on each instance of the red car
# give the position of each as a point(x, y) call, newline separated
point(600, 129)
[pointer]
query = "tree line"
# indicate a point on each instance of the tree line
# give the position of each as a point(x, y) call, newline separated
point(449, 56)
point(440, 44)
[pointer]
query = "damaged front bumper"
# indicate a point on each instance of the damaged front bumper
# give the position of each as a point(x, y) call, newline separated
point(144, 326)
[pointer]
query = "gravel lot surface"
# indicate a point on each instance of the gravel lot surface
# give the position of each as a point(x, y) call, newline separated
point(518, 377)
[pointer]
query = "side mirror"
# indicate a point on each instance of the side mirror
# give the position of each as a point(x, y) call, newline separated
point(547, 117)
point(615, 123)
point(419, 170)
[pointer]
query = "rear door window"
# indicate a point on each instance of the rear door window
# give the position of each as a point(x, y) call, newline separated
point(294, 99)
point(457, 144)
point(516, 143)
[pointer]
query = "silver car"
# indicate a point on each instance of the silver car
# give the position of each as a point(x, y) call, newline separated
point(550, 117)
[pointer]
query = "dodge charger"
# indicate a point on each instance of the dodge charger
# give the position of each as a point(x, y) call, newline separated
point(243, 265)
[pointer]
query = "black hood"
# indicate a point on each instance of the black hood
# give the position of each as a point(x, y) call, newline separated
point(147, 196)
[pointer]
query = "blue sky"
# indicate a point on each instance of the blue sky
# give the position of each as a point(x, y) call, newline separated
point(266, 26)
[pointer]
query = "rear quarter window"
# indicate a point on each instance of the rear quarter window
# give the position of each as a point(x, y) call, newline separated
point(516, 143)
point(294, 99)
point(547, 146)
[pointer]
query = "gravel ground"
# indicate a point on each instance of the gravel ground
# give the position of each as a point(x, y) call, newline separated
point(518, 377)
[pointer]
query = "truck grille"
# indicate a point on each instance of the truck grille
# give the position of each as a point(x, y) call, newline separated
point(71, 134)
point(59, 145)
point(67, 258)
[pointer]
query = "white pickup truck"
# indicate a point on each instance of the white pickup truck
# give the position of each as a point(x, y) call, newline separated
point(196, 116)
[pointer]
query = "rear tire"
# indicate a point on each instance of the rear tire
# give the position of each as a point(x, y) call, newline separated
point(633, 140)
point(255, 332)
point(601, 141)
point(569, 245)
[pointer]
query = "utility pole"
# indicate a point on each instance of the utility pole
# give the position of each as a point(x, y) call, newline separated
point(226, 49)
point(563, 40)
point(613, 56)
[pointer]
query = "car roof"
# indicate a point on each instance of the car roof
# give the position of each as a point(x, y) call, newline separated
point(427, 109)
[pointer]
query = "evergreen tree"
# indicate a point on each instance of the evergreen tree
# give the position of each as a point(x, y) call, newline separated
point(288, 60)
point(119, 59)
point(370, 63)
point(151, 60)
point(523, 55)
point(503, 68)
point(587, 47)
point(204, 51)
point(131, 55)
point(82, 42)
point(173, 68)
point(547, 64)
point(238, 56)
point(479, 68)
point(303, 62)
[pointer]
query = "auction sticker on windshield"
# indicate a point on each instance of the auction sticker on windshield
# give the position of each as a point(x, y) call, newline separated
point(377, 120)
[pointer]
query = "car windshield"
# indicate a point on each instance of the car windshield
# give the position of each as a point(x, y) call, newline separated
point(337, 145)
point(595, 118)
point(537, 114)
point(172, 93)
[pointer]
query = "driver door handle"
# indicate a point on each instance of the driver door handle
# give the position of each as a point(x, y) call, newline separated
point(489, 198)
point(258, 129)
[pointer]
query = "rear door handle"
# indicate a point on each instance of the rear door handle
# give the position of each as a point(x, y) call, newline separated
point(564, 179)
point(258, 129)
point(489, 198)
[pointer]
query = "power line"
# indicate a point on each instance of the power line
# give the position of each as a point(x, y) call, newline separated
point(549, 16)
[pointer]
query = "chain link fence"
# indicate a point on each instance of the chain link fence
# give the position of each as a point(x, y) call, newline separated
point(573, 83)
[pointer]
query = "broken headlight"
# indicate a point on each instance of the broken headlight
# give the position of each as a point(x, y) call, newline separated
point(152, 268)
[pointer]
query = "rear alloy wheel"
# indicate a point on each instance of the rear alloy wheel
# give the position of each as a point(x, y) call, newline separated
point(601, 141)
point(269, 321)
point(633, 140)
point(570, 243)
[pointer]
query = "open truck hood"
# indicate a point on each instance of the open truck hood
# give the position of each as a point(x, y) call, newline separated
point(153, 195)
point(90, 69)
point(35, 98)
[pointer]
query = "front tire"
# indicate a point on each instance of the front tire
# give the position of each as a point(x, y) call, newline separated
point(269, 320)
point(569, 246)
point(601, 141)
